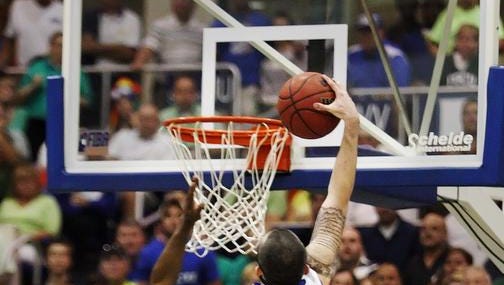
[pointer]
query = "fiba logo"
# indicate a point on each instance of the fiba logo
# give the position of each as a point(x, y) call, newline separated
point(453, 142)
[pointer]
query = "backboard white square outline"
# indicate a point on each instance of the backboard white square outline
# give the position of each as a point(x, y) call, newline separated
point(212, 36)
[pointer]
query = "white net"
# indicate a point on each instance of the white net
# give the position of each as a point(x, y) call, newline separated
point(235, 190)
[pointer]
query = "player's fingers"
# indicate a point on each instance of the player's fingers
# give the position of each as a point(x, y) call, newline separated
point(199, 208)
point(320, 107)
point(335, 85)
point(192, 189)
point(330, 82)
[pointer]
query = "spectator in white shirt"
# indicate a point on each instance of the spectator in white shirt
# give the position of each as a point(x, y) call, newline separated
point(31, 23)
point(144, 142)
point(176, 38)
point(111, 34)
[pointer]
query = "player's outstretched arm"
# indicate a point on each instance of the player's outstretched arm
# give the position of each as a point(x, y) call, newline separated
point(326, 237)
point(168, 266)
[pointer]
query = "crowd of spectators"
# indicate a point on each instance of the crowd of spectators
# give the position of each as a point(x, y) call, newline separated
point(92, 237)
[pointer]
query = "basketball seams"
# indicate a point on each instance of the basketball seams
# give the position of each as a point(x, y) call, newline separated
point(293, 103)
point(291, 94)
point(307, 125)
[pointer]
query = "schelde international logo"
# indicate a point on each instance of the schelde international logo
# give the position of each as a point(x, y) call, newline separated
point(453, 142)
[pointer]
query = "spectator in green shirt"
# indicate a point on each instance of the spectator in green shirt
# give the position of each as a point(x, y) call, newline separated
point(35, 214)
point(467, 12)
point(185, 99)
point(32, 93)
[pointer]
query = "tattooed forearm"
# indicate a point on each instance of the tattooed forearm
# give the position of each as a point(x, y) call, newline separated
point(326, 239)
point(328, 228)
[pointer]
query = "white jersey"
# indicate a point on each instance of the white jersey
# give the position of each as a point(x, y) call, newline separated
point(311, 278)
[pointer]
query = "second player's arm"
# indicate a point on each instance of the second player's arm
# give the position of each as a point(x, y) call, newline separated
point(168, 266)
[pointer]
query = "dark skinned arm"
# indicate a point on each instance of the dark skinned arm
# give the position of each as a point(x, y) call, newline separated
point(168, 266)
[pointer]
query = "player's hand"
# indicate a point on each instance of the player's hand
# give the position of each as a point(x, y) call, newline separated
point(192, 208)
point(342, 107)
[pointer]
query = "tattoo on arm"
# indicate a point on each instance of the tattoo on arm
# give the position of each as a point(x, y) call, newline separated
point(329, 226)
point(326, 240)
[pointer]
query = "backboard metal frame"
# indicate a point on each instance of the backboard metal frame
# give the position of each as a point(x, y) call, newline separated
point(393, 174)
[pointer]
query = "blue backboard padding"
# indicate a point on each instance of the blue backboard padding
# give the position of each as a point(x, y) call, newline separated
point(392, 186)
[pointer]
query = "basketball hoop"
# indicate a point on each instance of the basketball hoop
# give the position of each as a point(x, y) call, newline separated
point(243, 157)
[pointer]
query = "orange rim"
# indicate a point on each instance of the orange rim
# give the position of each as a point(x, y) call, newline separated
point(241, 137)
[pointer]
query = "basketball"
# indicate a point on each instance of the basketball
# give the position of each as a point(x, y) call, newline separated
point(295, 106)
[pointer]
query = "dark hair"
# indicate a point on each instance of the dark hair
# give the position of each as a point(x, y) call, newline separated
point(129, 222)
point(355, 281)
point(467, 256)
point(60, 240)
point(281, 257)
point(185, 75)
point(113, 250)
point(168, 204)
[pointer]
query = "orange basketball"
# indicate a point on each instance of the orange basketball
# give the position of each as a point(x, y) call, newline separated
point(295, 106)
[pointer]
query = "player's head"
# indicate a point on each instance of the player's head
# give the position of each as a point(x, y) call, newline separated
point(281, 258)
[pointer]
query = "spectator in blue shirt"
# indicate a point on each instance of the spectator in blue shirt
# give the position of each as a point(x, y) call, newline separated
point(195, 270)
point(365, 68)
point(247, 58)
